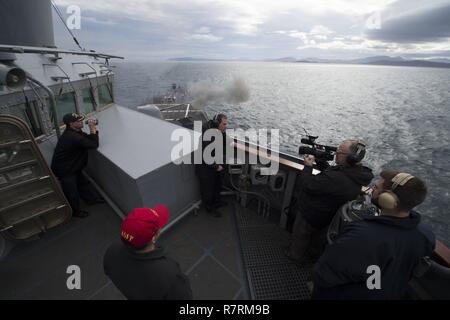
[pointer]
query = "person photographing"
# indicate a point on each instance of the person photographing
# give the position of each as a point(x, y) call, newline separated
point(71, 156)
point(321, 195)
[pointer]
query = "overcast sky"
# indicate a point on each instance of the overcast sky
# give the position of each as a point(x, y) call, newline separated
point(261, 29)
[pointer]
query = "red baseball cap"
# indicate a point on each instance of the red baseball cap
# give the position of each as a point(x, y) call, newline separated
point(141, 224)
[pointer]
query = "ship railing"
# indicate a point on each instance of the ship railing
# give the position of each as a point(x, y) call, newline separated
point(295, 165)
point(55, 51)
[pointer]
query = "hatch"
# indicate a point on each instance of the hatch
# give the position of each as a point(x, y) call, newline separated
point(31, 201)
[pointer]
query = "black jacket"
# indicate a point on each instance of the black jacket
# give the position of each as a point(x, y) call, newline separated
point(147, 276)
point(71, 152)
point(322, 195)
point(393, 244)
point(205, 168)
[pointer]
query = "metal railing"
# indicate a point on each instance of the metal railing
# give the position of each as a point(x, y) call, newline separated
point(43, 50)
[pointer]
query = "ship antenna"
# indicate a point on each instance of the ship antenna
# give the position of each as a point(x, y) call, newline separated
point(64, 23)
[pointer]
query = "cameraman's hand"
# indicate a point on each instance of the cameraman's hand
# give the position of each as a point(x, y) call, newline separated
point(219, 168)
point(322, 165)
point(92, 125)
point(308, 161)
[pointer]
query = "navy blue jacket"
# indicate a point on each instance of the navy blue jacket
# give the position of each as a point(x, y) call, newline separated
point(394, 244)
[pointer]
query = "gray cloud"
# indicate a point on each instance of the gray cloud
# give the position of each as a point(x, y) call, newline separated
point(225, 30)
point(414, 22)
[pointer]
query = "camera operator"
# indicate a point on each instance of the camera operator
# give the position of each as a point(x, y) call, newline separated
point(210, 175)
point(321, 196)
point(69, 159)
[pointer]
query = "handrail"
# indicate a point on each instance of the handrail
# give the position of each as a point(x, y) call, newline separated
point(89, 79)
point(441, 251)
point(285, 155)
point(43, 50)
point(91, 67)
point(67, 77)
point(52, 101)
point(283, 158)
point(170, 107)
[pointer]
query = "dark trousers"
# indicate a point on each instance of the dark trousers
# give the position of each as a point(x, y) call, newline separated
point(75, 187)
point(306, 239)
point(210, 187)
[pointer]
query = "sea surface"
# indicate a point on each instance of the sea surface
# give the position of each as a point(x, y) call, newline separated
point(402, 113)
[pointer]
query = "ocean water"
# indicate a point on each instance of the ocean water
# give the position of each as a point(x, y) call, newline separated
point(402, 113)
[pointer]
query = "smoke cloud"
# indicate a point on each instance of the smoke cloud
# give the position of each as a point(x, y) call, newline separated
point(203, 93)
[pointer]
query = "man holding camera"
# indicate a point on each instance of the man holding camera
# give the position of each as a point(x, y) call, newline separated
point(321, 196)
point(69, 159)
point(374, 258)
point(210, 175)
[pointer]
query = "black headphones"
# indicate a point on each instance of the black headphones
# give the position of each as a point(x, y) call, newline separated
point(357, 153)
point(215, 122)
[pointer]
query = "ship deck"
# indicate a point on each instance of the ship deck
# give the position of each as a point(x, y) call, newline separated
point(236, 256)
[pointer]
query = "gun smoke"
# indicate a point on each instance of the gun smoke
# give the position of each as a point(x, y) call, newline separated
point(203, 93)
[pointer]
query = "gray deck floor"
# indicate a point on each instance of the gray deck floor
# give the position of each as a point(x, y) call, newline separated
point(205, 246)
point(271, 275)
point(37, 269)
point(236, 256)
point(208, 252)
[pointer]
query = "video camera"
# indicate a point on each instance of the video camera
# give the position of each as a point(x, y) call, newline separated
point(319, 151)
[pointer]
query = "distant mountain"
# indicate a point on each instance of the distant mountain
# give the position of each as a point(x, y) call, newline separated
point(411, 63)
point(440, 60)
point(318, 60)
point(285, 59)
point(195, 59)
point(377, 58)
point(211, 59)
point(384, 61)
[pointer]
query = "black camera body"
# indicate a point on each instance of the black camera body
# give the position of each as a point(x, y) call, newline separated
point(319, 151)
